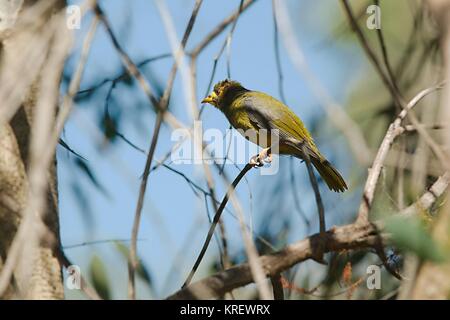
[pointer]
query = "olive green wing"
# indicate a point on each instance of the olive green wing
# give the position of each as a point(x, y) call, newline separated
point(266, 112)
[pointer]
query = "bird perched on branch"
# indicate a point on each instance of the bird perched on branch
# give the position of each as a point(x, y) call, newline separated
point(253, 111)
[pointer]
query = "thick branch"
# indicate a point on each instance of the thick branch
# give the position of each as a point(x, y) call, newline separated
point(347, 237)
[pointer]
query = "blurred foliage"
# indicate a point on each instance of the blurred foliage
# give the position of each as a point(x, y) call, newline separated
point(84, 203)
point(412, 235)
point(99, 278)
point(84, 167)
point(141, 269)
point(413, 50)
point(412, 45)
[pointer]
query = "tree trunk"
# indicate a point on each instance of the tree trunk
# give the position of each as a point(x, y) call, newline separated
point(40, 277)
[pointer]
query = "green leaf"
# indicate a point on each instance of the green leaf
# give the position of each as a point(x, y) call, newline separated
point(86, 169)
point(109, 126)
point(99, 278)
point(410, 234)
point(141, 269)
point(123, 249)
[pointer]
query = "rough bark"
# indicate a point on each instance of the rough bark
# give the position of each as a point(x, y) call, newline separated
point(42, 278)
point(347, 237)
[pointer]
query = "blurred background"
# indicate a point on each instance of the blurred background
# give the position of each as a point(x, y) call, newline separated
point(112, 120)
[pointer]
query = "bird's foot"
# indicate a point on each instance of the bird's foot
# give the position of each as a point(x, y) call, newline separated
point(263, 157)
point(255, 161)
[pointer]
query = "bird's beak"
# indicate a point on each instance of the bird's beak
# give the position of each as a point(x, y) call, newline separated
point(211, 99)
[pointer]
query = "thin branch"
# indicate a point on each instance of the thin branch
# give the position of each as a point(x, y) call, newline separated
point(129, 64)
point(355, 236)
point(124, 75)
point(276, 45)
point(392, 88)
point(429, 197)
point(277, 286)
point(214, 223)
point(229, 37)
point(225, 259)
point(256, 268)
point(394, 130)
point(336, 113)
point(386, 57)
point(411, 128)
point(226, 43)
point(194, 56)
point(88, 290)
point(195, 186)
point(90, 243)
point(220, 28)
point(313, 180)
point(295, 195)
point(161, 108)
point(188, 74)
point(372, 57)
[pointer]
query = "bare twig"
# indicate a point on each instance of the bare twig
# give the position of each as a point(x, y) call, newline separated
point(226, 43)
point(194, 54)
point(188, 74)
point(335, 113)
point(277, 286)
point(394, 130)
point(392, 88)
point(411, 128)
point(295, 195)
point(226, 263)
point(355, 236)
point(312, 179)
point(161, 108)
point(432, 279)
point(220, 28)
point(95, 242)
point(214, 223)
point(229, 37)
point(256, 268)
point(372, 57)
point(122, 76)
point(386, 57)
point(88, 290)
point(429, 197)
point(276, 44)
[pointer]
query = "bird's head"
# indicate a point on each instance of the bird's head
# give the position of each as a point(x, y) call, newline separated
point(224, 92)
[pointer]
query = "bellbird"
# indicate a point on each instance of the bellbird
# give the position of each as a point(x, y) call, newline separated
point(252, 111)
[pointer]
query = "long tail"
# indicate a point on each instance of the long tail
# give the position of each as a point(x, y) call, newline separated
point(331, 176)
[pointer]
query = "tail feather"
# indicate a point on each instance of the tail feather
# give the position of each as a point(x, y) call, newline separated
point(331, 176)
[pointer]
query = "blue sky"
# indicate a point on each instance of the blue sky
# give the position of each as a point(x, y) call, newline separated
point(174, 220)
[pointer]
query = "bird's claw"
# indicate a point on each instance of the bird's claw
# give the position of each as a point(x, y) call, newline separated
point(255, 161)
point(263, 157)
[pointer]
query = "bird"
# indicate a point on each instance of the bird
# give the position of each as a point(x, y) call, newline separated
point(253, 111)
